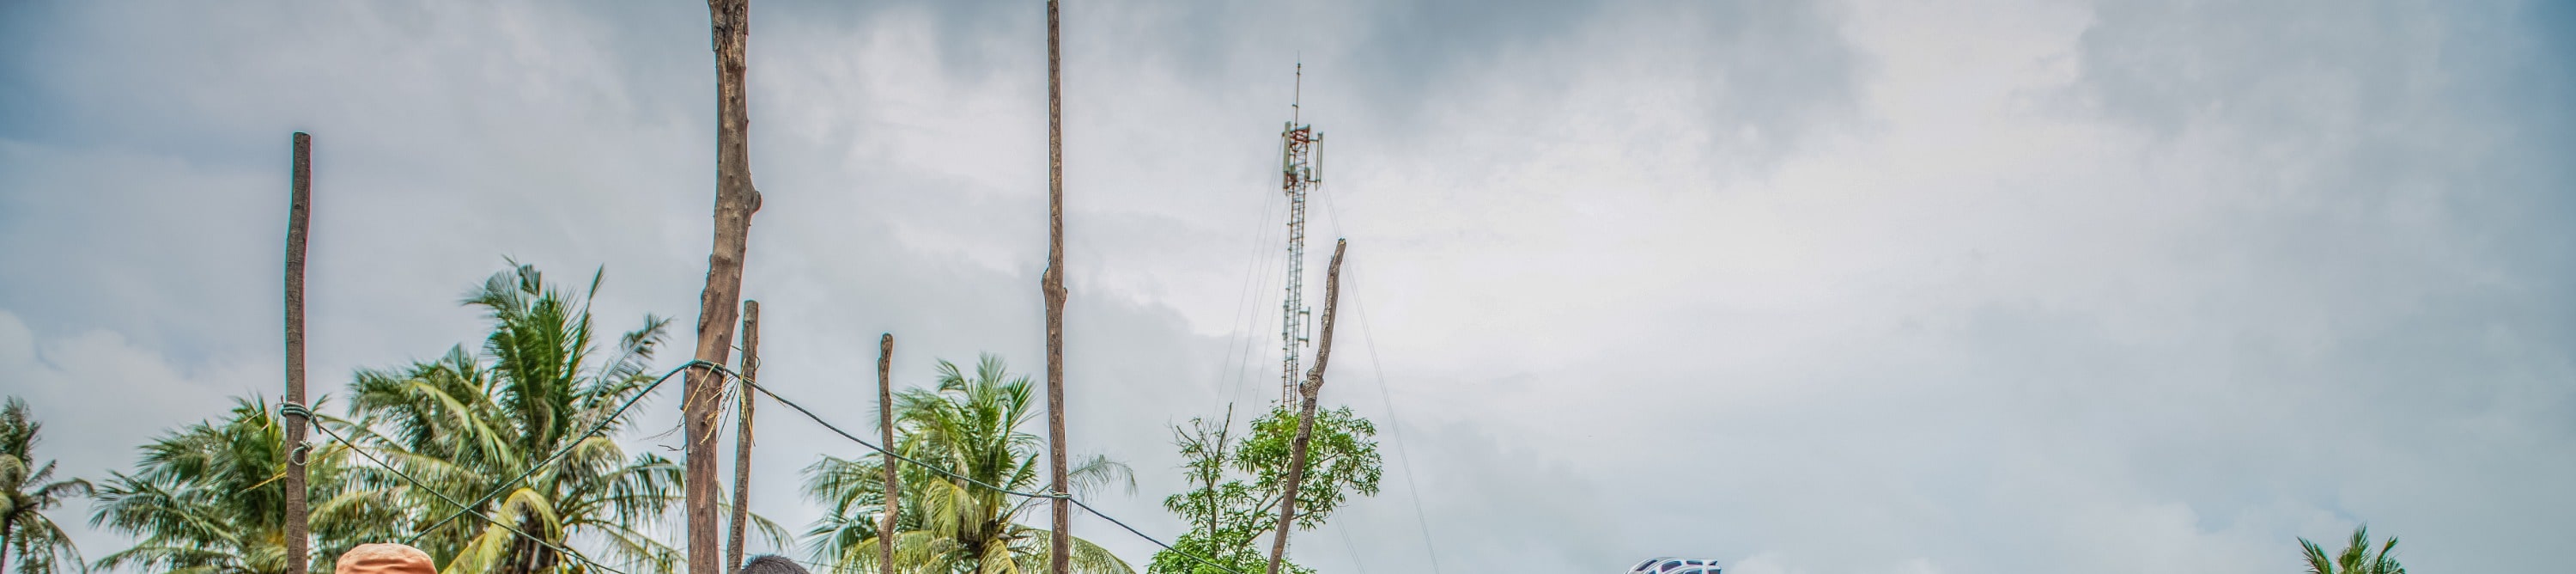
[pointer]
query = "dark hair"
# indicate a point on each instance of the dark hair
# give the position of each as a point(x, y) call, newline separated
point(772, 564)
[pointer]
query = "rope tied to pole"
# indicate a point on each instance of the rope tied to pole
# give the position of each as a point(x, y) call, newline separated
point(302, 453)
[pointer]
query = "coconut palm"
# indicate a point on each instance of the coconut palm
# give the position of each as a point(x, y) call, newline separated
point(970, 426)
point(27, 490)
point(2356, 557)
point(466, 424)
point(209, 499)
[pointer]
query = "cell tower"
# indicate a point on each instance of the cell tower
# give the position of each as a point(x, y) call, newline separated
point(1298, 175)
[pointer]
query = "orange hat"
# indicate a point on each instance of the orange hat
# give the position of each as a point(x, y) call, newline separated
point(385, 559)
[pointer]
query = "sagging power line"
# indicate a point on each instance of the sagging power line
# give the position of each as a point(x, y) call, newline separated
point(472, 509)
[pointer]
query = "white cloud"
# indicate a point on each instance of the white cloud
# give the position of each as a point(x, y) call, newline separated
point(98, 395)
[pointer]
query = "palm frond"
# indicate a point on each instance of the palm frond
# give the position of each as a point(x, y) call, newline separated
point(968, 425)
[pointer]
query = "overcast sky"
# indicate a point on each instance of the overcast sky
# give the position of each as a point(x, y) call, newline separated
point(1843, 287)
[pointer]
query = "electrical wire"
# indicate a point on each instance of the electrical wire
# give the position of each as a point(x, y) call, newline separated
point(1352, 550)
point(398, 473)
point(559, 454)
point(827, 425)
point(1238, 339)
point(1395, 429)
point(1394, 426)
point(466, 509)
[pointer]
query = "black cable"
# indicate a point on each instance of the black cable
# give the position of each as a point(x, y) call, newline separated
point(818, 419)
point(1141, 534)
point(1395, 428)
point(353, 446)
point(872, 446)
point(465, 509)
point(567, 448)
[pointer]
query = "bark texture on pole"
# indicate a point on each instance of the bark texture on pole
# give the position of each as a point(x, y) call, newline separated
point(885, 436)
point(1059, 549)
point(742, 437)
point(299, 215)
point(735, 200)
point(1306, 410)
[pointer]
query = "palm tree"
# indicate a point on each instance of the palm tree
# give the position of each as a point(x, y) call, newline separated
point(2356, 557)
point(969, 426)
point(208, 499)
point(27, 490)
point(466, 424)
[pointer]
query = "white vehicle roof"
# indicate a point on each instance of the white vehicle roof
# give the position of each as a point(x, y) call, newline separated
point(1671, 565)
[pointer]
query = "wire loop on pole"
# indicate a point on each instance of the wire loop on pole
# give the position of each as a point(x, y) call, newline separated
point(297, 456)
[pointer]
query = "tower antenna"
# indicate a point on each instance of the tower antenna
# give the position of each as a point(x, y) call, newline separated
point(1298, 177)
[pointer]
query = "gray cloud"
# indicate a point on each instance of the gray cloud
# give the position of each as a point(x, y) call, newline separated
point(1808, 288)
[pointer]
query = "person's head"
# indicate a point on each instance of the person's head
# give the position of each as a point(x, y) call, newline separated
point(385, 559)
point(772, 564)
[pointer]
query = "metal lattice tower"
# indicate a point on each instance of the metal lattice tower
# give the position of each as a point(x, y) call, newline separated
point(1299, 175)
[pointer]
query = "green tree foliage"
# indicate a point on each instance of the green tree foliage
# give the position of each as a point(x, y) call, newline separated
point(968, 425)
point(27, 490)
point(1236, 484)
point(209, 499)
point(467, 423)
point(2356, 558)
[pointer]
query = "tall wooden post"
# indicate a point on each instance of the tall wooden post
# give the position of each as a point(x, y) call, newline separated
point(742, 437)
point(885, 437)
point(730, 21)
point(299, 215)
point(1306, 411)
point(1059, 550)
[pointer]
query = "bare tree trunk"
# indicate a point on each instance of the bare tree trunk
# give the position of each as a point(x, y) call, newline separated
point(730, 21)
point(742, 437)
point(528, 556)
point(885, 437)
point(299, 217)
point(1306, 410)
point(1060, 547)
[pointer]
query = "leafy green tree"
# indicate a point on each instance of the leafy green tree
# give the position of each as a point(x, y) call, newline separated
point(2356, 557)
point(466, 424)
point(1235, 487)
point(209, 499)
point(1224, 513)
point(27, 490)
point(970, 426)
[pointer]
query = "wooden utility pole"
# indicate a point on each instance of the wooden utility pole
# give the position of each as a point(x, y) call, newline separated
point(735, 200)
point(299, 215)
point(742, 436)
point(1306, 410)
point(885, 437)
point(1059, 549)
